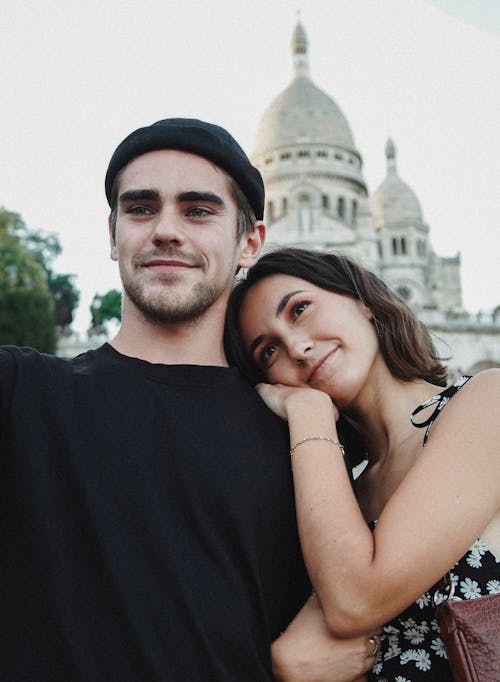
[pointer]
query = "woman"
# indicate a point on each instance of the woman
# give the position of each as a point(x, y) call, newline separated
point(331, 338)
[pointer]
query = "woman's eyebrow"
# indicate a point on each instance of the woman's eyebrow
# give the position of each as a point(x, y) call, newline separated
point(255, 343)
point(282, 304)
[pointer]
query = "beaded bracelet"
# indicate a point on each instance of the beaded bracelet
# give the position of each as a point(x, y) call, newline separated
point(306, 440)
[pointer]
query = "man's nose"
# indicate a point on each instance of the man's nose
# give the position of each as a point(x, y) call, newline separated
point(168, 228)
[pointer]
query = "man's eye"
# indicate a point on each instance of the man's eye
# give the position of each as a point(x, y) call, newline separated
point(198, 212)
point(139, 210)
point(299, 308)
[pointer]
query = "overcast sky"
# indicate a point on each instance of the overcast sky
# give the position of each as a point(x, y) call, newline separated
point(76, 77)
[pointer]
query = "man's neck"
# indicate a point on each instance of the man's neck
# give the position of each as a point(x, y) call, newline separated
point(187, 343)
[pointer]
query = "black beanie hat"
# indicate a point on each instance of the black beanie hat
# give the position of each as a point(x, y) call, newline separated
point(197, 137)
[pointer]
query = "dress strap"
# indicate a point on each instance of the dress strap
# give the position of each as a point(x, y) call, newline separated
point(440, 400)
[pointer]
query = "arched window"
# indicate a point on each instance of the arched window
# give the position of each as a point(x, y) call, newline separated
point(270, 211)
point(341, 207)
point(284, 205)
point(403, 245)
point(354, 211)
point(325, 201)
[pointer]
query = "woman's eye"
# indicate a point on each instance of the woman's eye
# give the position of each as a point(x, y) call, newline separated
point(299, 308)
point(268, 352)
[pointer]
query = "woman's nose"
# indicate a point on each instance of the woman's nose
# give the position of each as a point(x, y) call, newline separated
point(300, 348)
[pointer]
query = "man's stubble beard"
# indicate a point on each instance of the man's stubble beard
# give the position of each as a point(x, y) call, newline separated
point(164, 306)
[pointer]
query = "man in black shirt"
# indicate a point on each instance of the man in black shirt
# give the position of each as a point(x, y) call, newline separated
point(146, 513)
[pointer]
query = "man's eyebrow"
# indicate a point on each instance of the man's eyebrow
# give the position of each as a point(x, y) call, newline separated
point(139, 195)
point(279, 309)
point(208, 197)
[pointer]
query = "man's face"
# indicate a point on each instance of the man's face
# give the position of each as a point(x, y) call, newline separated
point(175, 238)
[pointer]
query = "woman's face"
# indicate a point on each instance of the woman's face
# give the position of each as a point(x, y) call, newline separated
point(301, 335)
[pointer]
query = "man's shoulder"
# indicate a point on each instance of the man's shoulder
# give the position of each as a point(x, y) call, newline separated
point(19, 360)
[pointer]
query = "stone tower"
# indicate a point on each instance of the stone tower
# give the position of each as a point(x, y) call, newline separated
point(312, 170)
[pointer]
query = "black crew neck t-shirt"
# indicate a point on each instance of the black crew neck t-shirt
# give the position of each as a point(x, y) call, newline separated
point(147, 522)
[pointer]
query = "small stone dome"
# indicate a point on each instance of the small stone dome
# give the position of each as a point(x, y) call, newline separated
point(302, 113)
point(394, 201)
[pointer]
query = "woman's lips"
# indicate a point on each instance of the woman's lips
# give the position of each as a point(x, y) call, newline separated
point(317, 368)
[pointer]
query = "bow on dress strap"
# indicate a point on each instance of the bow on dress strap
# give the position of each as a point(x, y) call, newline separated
point(440, 400)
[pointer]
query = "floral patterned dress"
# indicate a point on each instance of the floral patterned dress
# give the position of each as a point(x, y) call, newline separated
point(412, 649)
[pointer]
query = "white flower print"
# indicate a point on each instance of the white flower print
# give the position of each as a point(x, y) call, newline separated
point(415, 635)
point(390, 630)
point(474, 559)
point(435, 626)
point(478, 547)
point(377, 668)
point(393, 650)
point(400, 678)
point(424, 600)
point(493, 586)
point(407, 624)
point(470, 589)
point(443, 402)
point(406, 656)
point(438, 646)
point(438, 597)
point(423, 660)
point(431, 401)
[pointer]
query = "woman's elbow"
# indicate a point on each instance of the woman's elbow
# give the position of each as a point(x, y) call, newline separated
point(350, 620)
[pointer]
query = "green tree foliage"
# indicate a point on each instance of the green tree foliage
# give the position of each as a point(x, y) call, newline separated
point(105, 308)
point(66, 298)
point(34, 301)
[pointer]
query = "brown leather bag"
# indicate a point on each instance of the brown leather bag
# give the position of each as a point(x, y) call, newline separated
point(470, 630)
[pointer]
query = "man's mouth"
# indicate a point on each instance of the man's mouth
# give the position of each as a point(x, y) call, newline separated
point(167, 264)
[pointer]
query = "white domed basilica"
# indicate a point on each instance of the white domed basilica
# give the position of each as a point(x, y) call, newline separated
point(316, 197)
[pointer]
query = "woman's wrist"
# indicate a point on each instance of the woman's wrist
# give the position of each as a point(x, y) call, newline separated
point(309, 401)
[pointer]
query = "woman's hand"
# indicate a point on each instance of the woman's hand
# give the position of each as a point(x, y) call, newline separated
point(307, 652)
point(281, 399)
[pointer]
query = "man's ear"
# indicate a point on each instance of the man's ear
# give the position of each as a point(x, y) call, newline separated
point(251, 244)
point(112, 242)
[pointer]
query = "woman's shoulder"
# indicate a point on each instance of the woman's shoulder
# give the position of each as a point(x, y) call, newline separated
point(484, 385)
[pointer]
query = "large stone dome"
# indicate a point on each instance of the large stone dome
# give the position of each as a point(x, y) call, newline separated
point(302, 113)
point(394, 201)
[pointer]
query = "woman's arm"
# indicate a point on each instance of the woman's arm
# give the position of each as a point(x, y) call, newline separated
point(307, 651)
point(445, 501)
